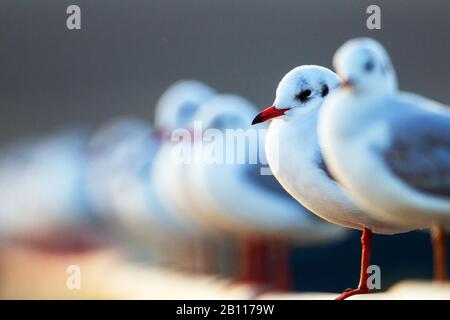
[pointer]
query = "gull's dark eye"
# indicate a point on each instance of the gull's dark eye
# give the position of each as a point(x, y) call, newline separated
point(186, 110)
point(325, 90)
point(226, 121)
point(303, 95)
point(369, 65)
point(218, 123)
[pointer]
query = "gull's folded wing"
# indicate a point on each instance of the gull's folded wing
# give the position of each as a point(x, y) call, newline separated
point(419, 153)
point(265, 182)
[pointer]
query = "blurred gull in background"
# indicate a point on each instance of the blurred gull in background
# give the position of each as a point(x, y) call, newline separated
point(43, 196)
point(123, 191)
point(175, 111)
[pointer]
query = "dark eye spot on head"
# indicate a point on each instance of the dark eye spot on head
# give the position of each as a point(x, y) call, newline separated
point(325, 90)
point(226, 121)
point(369, 65)
point(187, 110)
point(303, 95)
point(218, 123)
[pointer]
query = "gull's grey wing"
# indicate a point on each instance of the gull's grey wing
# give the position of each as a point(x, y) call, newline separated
point(266, 182)
point(270, 183)
point(419, 153)
point(323, 166)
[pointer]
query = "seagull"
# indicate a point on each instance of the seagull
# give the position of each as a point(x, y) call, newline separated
point(121, 188)
point(234, 191)
point(295, 157)
point(174, 113)
point(43, 198)
point(390, 149)
point(175, 110)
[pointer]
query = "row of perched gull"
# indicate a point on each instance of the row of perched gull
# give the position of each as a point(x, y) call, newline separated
point(347, 147)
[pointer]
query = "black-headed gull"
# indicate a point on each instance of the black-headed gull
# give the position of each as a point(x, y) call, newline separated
point(122, 190)
point(295, 157)
point(234, 192)
point(175, 111)
point(43, 197)
point(391, 150)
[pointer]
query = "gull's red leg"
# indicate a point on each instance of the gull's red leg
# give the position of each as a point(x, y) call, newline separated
point(244, 249)
point(253, 261)
point(280, 265)
point(259, 262)
point(440, 253)
point(247, 256)
point(366, 248)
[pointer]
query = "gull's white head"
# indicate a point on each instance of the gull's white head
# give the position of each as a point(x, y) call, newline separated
point(125, 140)
point(179, 103)
point(226, 111)
point(301, 90)
point(228, 137)
point(365, 66)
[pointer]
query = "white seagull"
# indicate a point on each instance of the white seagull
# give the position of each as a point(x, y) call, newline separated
point(295, 157)
point(121, 188)
point(42, 193)
point(390, 149)
point(234, 192)
point(175, 112)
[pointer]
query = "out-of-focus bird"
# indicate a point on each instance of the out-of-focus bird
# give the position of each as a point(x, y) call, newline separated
point(236, 191)
point(42, 193)
point(123, 191)
point(174, 117)
point(295, 157)
point(390, 149)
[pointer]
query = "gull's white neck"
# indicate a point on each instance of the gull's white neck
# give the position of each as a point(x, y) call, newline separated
point(292, 152)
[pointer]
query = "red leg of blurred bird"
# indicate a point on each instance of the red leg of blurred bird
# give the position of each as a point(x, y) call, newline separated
point(244, 268)
point(280, 265)
point(366, 246)
point(260, 273)
point(439, 239)
point(253, 261)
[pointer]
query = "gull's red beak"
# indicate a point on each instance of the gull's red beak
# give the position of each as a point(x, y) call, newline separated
point(269, 113)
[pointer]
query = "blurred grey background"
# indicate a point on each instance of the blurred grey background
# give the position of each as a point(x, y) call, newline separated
point(128, 52)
